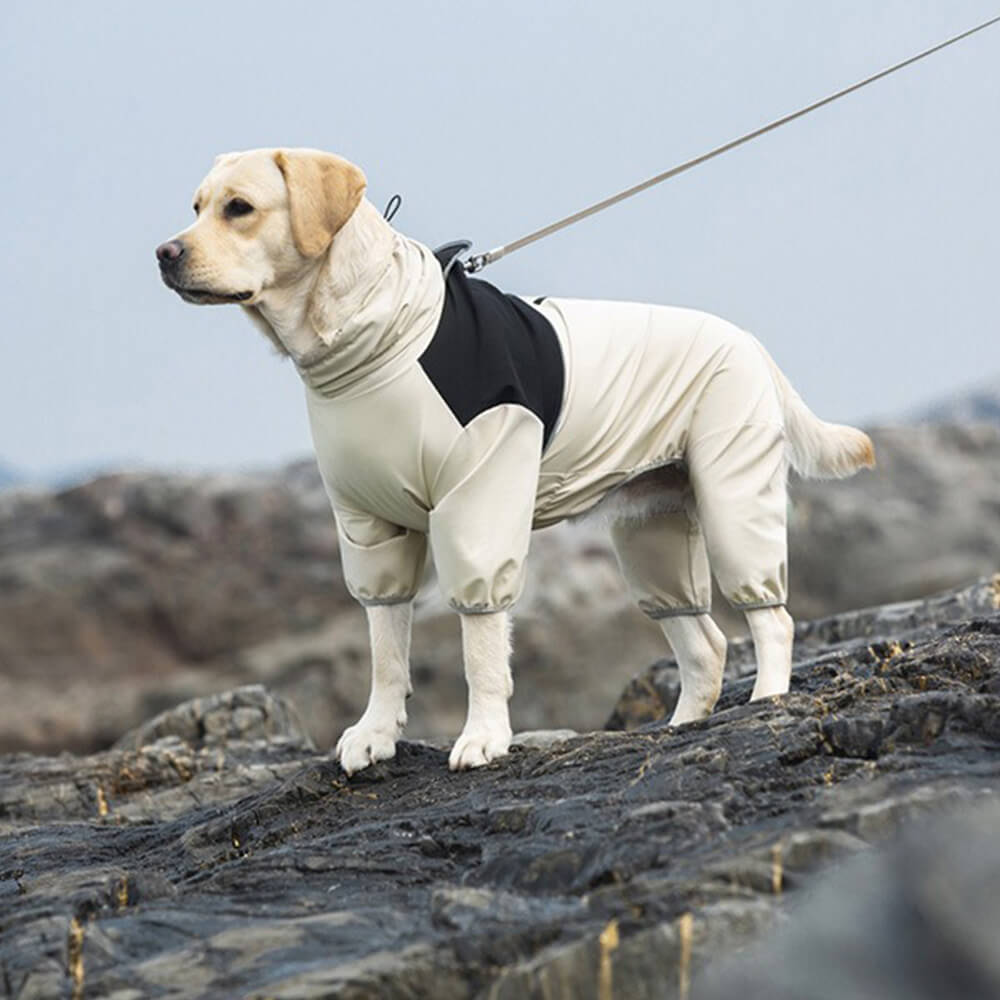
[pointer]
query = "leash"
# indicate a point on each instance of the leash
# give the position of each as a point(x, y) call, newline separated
point(478, 261)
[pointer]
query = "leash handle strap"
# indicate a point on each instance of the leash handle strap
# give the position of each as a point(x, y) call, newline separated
point(478, 261)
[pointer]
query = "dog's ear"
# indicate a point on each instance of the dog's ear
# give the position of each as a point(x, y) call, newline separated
point(323, 192)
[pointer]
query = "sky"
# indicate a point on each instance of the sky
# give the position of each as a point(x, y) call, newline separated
point(859, 244)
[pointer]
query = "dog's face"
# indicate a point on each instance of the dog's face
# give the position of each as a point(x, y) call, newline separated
point(262, 218)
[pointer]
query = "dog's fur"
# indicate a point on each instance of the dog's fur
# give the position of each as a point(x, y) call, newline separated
point(287, 235)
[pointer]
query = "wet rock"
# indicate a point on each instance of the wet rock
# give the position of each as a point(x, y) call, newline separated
point(891, 638)
point(162, 769)
point(915, 922)
point(230, 859)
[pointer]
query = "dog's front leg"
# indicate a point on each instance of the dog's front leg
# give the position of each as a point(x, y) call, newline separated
point(486, 650)
point(373, 737)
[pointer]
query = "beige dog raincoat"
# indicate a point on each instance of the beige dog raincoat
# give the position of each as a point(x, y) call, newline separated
point(551, 406)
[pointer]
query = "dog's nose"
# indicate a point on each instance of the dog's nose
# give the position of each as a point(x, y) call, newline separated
point(170, 252)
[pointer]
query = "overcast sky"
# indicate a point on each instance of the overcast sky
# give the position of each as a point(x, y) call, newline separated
point(861, 244)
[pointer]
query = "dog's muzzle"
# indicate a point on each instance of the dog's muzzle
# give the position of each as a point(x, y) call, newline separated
point(170, 256)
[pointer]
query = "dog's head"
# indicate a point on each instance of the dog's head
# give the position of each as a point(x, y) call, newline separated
point(262, 218)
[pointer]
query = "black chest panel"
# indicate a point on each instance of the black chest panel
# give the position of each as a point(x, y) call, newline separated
point(491, 348)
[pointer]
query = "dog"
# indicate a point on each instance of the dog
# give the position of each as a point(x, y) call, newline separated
point(453, 419)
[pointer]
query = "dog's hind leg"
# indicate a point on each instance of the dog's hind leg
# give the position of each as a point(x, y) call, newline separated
point(742, 505)
point(737, 464)
point(373, 737)
point(773, 631)
point(486, 649)
point(700, 650)
point(662, 557)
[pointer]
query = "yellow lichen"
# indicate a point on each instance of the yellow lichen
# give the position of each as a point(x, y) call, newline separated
point(74, 957)
point(643, 767)
point(341, 787)
point(685, 926)
point(608, 942)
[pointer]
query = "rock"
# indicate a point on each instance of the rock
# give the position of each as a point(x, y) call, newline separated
point(541, 738)
point(211, 749)
point(244, 715)
point(232, 860)
point(651, 695)
point(915, 922)
point(926, 519)
point(122, 597)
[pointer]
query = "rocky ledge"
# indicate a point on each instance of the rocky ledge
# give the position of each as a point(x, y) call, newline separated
point(216, 853)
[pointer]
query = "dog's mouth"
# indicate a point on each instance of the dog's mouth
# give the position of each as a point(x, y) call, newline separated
point(204, 296)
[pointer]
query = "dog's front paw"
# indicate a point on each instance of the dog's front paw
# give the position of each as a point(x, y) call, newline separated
point(366, 742)
point(480, 743)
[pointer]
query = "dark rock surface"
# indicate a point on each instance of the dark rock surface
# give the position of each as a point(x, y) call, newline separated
point(652, 694)
point(917, 922)
point(228, 859)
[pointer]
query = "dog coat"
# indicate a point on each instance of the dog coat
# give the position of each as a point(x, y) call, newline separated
point(449, 413)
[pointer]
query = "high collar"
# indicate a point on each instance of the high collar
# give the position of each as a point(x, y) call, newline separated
point(373, 309)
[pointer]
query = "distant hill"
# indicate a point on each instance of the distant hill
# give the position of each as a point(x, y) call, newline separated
point(59, 477)
point(980, 404)
point(9, 476)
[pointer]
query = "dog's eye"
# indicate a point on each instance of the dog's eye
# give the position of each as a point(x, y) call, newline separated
point(196, 207)
point(237, 207)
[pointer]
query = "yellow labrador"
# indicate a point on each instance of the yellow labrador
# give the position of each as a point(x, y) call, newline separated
point(450, 419)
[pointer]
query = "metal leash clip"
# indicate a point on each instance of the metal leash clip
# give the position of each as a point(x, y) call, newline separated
point(475, 263)
point(451, 253)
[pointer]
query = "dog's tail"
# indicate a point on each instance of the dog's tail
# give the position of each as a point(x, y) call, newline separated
point(816, 449)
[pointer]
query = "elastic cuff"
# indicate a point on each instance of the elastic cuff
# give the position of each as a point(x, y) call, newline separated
point(657, 613)
point(478, 609)
point(758, 605)
point(378, 602)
